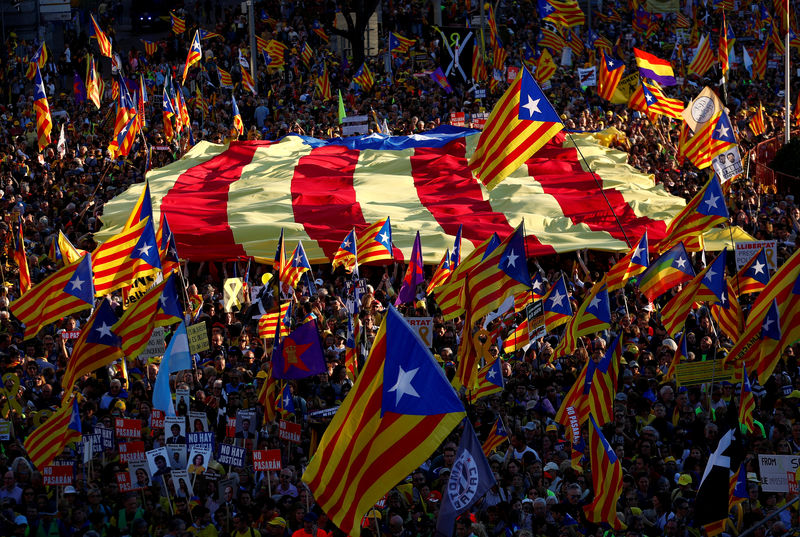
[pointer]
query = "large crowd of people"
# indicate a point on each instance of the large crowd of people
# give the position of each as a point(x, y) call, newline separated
point(662, 433)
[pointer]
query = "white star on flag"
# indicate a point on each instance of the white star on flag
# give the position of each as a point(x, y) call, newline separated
point(403, 385)
point(532, 106)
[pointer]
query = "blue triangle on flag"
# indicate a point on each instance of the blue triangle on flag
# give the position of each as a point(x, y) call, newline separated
point(533, 104)
point(413, 383)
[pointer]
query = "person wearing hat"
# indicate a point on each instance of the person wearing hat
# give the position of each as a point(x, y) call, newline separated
point(242, 527)
point(20, 526)
point(276, 527)
point(684, 489)
point(310, 528)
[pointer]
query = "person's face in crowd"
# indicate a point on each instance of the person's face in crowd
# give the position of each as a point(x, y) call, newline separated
point(449, 457)
point(161, 463)
point(131, 504)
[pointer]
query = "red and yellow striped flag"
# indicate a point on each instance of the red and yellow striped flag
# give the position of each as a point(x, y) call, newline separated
point(97, 346)
point(441, 274)
point(102, 39)
point(497, 436)
point(606, 479)
point(522, 121)
point(66, 291)
point(268, 323)
point(48, 440)
point(757, 124)
point(158, 307)
point(703, 57)
point(359, 458)
point(44, 122)
point(267, 396)
point(21, 258)
point(130, 254)
point(178, 24)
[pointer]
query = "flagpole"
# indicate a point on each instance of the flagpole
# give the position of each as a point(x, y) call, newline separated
point(600, 186)
point(786, 86)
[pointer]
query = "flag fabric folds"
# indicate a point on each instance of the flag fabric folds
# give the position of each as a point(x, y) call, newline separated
point(176, 358)
point(359, 458)
point(159, 306)
point(522, 121)
point(661, 104)
point(375, 242)
point(490, 379)
point(606, 479)
point(557, 308)
point(671, 269)
point(632, 264)
point(364, 77)
point(102, 39)
point(756, 123)
point(66, 291)
point(754, 275)
point(704, 211)
point(131, 254)
point(345, 256)
point(195, 55)
point(470, 478)
point(268, 322)
point(44, 122)
point(496, 437)
point(783, 290)
point(747, 403)
point(238, 125)
point(415, 275)
point(703, 57)
point(441, 274)
point(399, 44)
point(299, 355)
point(178, 24)
point(450, 296)
point(655, 68)
point(96, 347)
point(48, 440)
point(20, 258)
point(611, 70)
point(711, 503)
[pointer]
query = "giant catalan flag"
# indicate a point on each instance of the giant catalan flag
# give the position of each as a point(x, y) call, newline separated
point(359, 458)
point(320, 190)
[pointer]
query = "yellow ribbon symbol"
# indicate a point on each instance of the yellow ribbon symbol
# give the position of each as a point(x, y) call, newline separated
point(233, 289)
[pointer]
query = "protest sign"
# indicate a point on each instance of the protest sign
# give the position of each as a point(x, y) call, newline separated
point(265, 460)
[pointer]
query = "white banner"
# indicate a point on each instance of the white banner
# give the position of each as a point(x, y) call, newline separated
point(587, 76)
point(778, 472)
point(746, 250)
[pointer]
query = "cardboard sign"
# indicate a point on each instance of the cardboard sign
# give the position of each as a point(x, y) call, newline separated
point(70, 334)
point(458, 119)
point(289, 431)
point(728, 165)
point(587, 76)
point(535, 314)
point(230, 427)
point(480, 93)
point(203, 439)
point(106, 436)
point(694, 373)
point(778, 472)
point(96, 442)
point(5, 430)
point(746, 250)
point(155, 345)
point(124, 482)
point(198, 338)
point(423, 326)
point(511, 74)
point(127, 428)
point(157, 419)
point(232, 455)
point(265, 460)
point(131, 451)
point(57, 475)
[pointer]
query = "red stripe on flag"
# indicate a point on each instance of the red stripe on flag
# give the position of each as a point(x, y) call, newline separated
point(559, 171)
point(316, 183)
point(440, 173)
point(199, 199)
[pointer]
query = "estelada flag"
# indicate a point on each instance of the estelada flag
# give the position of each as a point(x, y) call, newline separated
point(401, 393)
